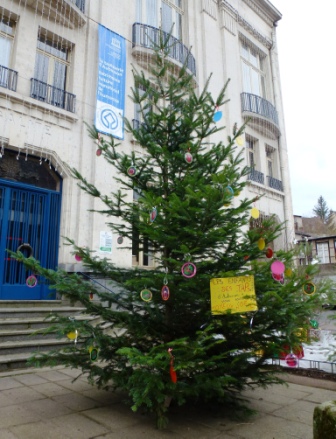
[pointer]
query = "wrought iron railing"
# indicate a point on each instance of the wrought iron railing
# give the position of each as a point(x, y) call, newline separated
point(256, 176)
point(149, 37)
point(274, 183)
point(8, 78)
point(52, 95)
point(256, 104)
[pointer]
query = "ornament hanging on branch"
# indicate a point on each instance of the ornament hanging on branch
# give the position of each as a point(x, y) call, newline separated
point(172, 372)
point(73, 335)
point(165, 293)
point(261, 243)
point(309, 288)
point(146, 295)
point(31, 281)
point(153, 214)
point(131, 171)
point(93, 352)
point(188, 269)
point(188, 156)
point(255, 213)
point(217, 115)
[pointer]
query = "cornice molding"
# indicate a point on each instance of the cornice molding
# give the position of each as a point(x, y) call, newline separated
point(225, 5)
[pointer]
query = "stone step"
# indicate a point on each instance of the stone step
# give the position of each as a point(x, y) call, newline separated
point(34, 346)
point(31, 303)
point(39, 311)
point(34, 323)
point(23, 334)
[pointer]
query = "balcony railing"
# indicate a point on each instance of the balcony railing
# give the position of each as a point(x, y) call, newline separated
point(256, 176)
point(8, 78)
point(149, 37)
point(274, 183)
point(52, 95)
point(80, 4)
point(256, 104)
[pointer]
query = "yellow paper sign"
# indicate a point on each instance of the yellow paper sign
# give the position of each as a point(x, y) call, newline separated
point(236, 294)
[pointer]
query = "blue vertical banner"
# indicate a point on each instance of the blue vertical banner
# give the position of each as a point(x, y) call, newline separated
point(110, 105)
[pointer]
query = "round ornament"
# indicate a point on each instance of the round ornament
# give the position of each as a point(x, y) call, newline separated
point(309, 288)
point(261, 243)
point(277, 267)
point(72, 335)
point(146, 295)
point(120, 240)
point(254, 213)
point(188, 157)
point(165, 293)
point(269, 253)
point(217, 116)
point(291, 360)
point(240, 141)
point(229, 192)
point(31, 281)
point(98, 152)
point(77, 257)
point(131, 171)
point(188, 269)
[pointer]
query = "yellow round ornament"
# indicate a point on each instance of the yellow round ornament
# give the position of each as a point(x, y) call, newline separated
point(72, 335)
point(254, 213)
point(240, 141)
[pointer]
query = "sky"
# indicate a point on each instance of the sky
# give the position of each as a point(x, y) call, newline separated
point(305, 37)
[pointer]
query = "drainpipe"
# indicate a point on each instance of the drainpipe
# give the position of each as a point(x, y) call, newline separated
point(282, 144)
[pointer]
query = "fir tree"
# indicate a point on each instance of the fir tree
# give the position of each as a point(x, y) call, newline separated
point(187, 211)
point(322, 210)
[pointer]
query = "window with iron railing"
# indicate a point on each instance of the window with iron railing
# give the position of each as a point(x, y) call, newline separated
point(8, 77)
point(51, 75)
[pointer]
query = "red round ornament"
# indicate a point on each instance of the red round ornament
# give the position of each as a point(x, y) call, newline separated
point(269, 252)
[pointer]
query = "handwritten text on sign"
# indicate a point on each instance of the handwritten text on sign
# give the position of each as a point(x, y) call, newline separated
point(236, 294)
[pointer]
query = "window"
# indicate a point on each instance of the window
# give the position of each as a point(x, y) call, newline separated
point(166, 14)
point(251, 146)
point(270, 152)
point(51, 75)
point(322, 249)
point(8, 77)
point(253, 65)
point(7, 28)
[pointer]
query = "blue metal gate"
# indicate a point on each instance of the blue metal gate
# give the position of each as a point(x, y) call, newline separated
point(29, 217)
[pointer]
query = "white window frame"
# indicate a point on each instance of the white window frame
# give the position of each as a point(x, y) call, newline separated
point(165, 14)
point(322, 252)
point(253, 69)
point(54, 52)
point(7, 33)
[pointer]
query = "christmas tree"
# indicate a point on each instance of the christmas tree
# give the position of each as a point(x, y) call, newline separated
point(179, 332)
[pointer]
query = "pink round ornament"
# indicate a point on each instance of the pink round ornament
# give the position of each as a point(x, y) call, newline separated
point(31, 281)
point(131, 171)
point(77, 257)
point(188, 157)
point(277, 267)
point(291, 360)
point(188, 269)
point(98, 152)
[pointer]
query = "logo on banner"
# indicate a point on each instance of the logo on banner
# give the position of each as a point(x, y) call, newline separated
point(110, 101)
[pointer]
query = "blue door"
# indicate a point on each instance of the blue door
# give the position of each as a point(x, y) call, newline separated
point(29, 221)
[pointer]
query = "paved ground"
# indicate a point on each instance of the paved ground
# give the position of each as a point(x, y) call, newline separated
point(45, 404)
